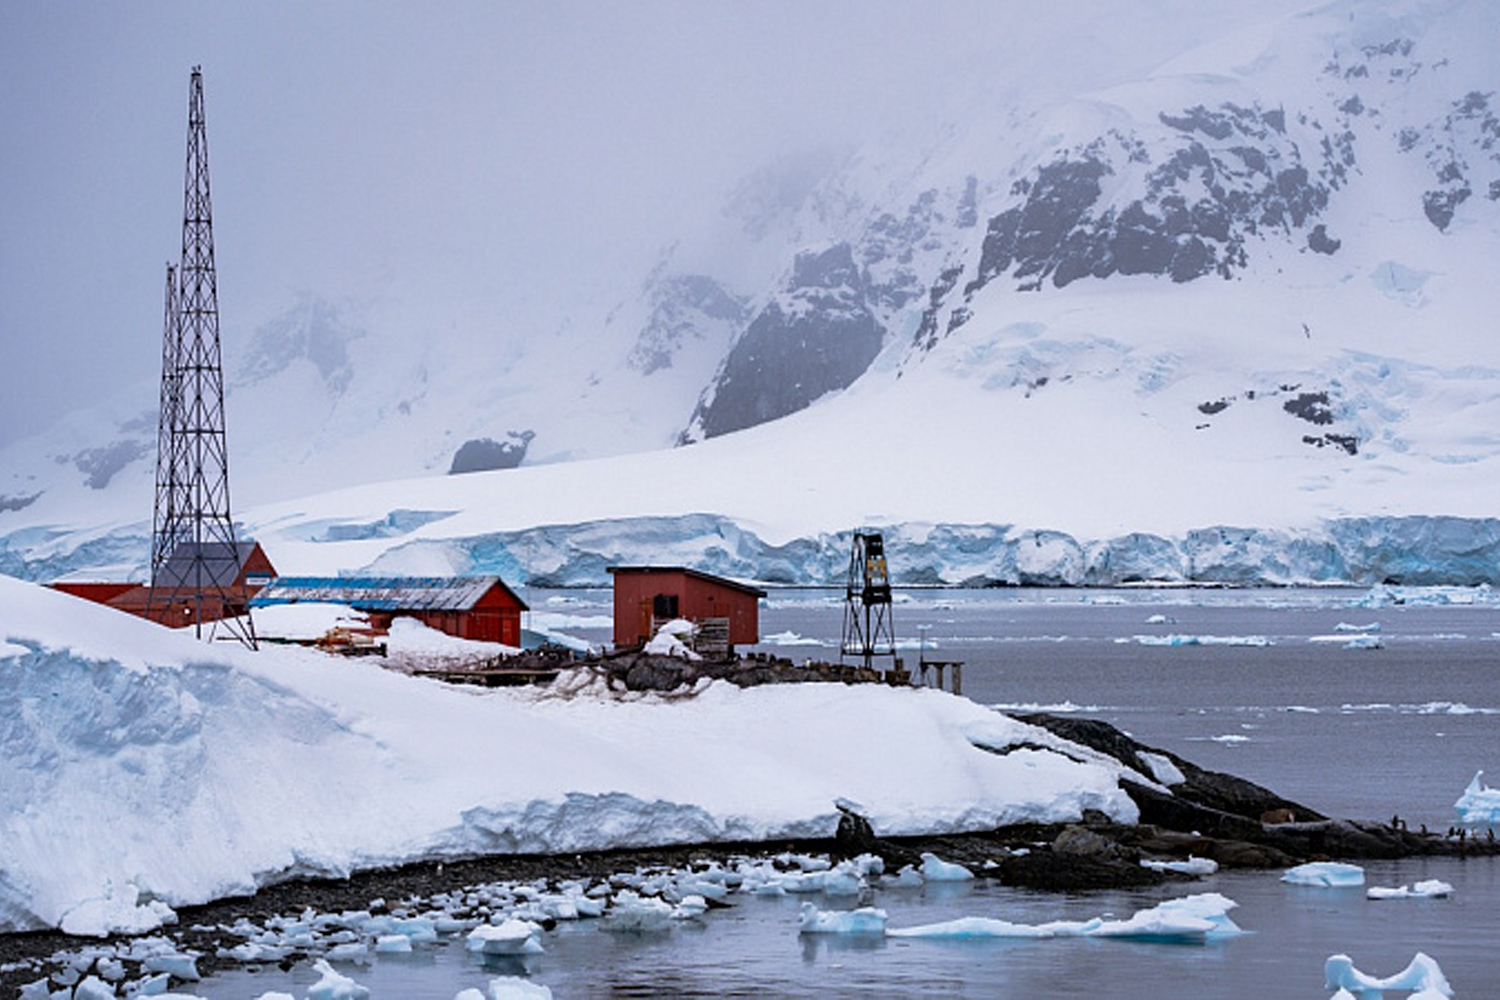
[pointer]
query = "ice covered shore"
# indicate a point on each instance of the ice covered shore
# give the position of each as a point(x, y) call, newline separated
point(144, 770)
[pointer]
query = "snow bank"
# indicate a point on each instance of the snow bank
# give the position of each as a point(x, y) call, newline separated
point(143, 767)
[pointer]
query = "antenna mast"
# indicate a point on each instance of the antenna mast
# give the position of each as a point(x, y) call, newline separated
point(195, 558)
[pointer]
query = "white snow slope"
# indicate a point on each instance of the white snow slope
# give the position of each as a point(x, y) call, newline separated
point(140, 767)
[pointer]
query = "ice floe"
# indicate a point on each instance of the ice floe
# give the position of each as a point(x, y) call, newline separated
point(1427, 889)
point(1325, 875)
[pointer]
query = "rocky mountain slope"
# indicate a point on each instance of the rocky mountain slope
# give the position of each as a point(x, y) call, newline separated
point(1249, 288)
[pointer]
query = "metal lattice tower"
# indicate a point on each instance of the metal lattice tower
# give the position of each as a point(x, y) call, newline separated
point(195, 558)
point(868, 629)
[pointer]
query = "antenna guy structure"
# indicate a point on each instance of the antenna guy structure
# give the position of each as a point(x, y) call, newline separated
point(195, 557)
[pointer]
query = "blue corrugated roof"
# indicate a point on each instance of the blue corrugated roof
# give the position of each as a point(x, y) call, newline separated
point(382, 593)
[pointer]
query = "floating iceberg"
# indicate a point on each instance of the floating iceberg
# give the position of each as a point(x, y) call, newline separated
point(1422, 976)
point(1325, 875)
point(935, 869)
point(865, 920)
point(1479, 803)
point(1193, 919)
point(1430, 889)
point(1191, 866)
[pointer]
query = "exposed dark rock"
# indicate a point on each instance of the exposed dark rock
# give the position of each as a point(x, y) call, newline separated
point(1347, 442)
point(101, 464)
point(1310, 406)
point(818, 337)
point(855, 837)
point(486, 454)
point(683, 308)
point(18, 502)
point(1439, 206)
point(1203, 794)
point(1318, 241)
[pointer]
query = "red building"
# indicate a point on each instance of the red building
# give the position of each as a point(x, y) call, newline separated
point(647, 596)
point(239, 573)
point(482, 608)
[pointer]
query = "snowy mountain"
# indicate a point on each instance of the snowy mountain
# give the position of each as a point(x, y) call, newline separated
point(1241, 298)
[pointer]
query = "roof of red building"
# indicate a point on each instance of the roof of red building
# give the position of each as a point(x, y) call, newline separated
point(696, 574)
point(385, 593)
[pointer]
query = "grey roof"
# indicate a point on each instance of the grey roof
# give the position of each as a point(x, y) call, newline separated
point(383, 593)
point(203, 564)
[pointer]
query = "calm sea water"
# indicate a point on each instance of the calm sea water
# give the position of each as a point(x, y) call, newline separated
point(1264, 693)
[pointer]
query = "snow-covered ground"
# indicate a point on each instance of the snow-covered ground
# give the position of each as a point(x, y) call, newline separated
point(143, 769)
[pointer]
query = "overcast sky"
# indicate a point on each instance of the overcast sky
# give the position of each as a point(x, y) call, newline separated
point(490, 153)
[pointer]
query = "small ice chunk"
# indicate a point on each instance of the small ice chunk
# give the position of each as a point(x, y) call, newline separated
point(1325, 875)
point(907, 878)
point(393, 944)
point(93, 988)
point(334, 985)
point(1428, 889)
point(516, 988)
point(1191, 866)
point(512, 937)
point(865, 920)
point(632, 912)
point(184, 967)
point(935, 869)
point(1422, 976)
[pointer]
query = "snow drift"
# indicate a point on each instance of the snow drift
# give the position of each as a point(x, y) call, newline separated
point(142, 769)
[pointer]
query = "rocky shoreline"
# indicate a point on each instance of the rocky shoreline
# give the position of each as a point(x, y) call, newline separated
point(1208, 815)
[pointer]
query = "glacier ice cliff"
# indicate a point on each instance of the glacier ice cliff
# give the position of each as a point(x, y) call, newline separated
point(1355, 551)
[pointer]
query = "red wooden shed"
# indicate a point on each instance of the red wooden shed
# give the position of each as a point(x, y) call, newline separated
point(646, 596)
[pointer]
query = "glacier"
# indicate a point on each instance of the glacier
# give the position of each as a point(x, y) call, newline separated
point(1376, 552)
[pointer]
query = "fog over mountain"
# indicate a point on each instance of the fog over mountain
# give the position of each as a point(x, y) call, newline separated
point(1124, 268)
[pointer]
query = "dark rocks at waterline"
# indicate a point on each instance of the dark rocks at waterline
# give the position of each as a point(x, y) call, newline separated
point(639, 671)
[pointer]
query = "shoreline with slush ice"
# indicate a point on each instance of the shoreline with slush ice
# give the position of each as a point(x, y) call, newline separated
point(1213, 817)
